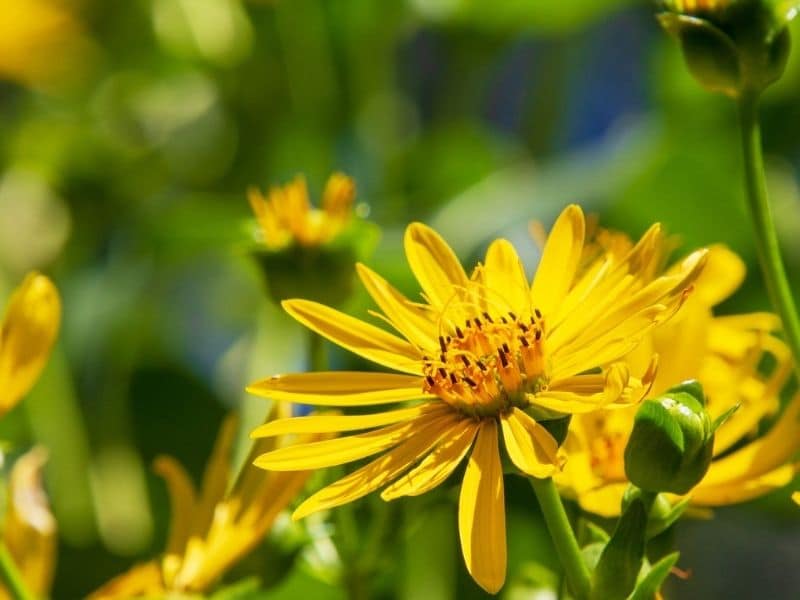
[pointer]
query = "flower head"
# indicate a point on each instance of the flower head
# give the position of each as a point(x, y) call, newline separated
point(210, 530)
point(27, 333)
point(723, 353)
point(286, 216)
point(483, 355)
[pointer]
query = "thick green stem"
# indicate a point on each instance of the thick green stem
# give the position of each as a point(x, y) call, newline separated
point(769, 254)
point(12, 577)
point(564, 540)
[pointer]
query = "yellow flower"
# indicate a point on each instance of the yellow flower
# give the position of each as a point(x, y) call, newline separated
point(286, 215)
point(29, 529)
point(27, 334)
point(724, 354)
point(481, 353)
point(212, 530)
point(40, 42)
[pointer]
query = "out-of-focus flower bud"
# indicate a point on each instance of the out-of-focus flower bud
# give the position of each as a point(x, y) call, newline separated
point(671, 445)
point(308, 252)
point(731, 46)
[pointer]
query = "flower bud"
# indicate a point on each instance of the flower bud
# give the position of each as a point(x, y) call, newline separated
point(672, 442)
point(731, 46)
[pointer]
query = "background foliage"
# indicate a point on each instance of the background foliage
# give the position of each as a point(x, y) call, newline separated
point(124, 177)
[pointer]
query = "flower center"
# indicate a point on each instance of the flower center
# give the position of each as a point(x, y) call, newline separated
point(488, 365)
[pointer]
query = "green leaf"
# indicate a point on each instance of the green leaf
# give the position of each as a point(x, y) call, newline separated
point(648, 586)
point(245, 589)
point(621, 561)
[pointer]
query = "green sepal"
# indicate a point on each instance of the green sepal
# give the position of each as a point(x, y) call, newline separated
point(723, 417)
point(647, 587)
point(621, 560)
point(589, 533)
point(663, 517)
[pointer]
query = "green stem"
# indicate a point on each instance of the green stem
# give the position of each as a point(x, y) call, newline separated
point(563, 537)
point(769, 254)
point(317, 354)
point(11, 575)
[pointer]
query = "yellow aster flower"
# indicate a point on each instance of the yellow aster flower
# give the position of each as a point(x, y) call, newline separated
point(286, 216)
point(29, 528)
point(724, 354)
point(479, 355)
point(213, 529)
point(27, 334)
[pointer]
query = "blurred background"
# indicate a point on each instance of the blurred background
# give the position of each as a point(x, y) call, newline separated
point(130, 131)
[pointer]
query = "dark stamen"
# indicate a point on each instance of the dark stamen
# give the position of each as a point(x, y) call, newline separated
point(487, 317)
point(524, 341)
point(465, 360)
point(443, 372)
point(538, 313)
point(502, 356)
point(459, 333)
point(470, 381)
point(442, 345)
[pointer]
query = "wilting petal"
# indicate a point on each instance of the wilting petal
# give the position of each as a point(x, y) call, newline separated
point(336, 423)
point(340, 388)
point(28, 331)
point(530, 446)
point(380, 471)
point(559, 261)
point(355, 335)
point(437, 466)
point(434, 264)
point(482, 514)
point(504, 276)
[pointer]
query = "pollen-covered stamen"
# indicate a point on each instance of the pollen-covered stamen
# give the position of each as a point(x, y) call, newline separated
point(489, 364)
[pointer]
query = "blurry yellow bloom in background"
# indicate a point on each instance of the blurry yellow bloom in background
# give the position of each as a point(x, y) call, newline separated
point(285, 216)
point(482, 353)
point(29, 529)
point(27, 334)
point(41, 42)
point(726, 354)
point(212, 530)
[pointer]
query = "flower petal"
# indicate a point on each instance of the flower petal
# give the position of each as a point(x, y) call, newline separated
point(355, 335)
point(530, 446)
point(434, 264)
point(482, 513)
point(409, 320)
point(505, 279)
point(182, 501)
point(560, 259)
point(343, 450)
point(336, 423)
point(437, 466)
point(28, 331)
point(382, 470)
point(340, 388)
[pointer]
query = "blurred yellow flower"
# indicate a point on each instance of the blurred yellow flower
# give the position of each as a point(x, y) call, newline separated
point(725, 354)
point(481, 353)
point(41, 42)
point(29, 529)
point(286, 216)
point(27, 334)
point(211, 531)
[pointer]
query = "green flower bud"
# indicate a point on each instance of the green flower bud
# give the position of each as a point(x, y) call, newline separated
point(672, 442)
point(731, 46)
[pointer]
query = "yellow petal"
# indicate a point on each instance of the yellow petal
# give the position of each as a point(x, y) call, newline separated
point(796, 497)
point(434, 264)
point(722, 275)
point(505, 279)
point(437, 466)
point(361, 338)
point(182, 501)
point(605, 501)
point(29, 528)
point(408, 319)
point(743, 490)
point(28, 331)
point(559, 261)
point(482, 513)
point(337, 423)
point(530, 446)
point(340, 388)
point(382, 470)
point(343, 450)
point(142, 580)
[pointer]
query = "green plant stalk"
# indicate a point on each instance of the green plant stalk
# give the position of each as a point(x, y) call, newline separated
point(769, 254)
point(11, 575)
point(569, 553)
